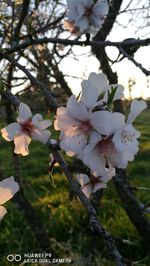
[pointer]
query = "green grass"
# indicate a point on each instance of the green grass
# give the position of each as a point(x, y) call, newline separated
point(66, 222)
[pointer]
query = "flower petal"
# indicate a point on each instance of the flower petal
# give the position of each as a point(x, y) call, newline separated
point(87, 190)
point(8, 188)
point(118, 159)
point(110, 173)
point(101, 8)
point(73, 143)
point(106, 123)
point(128, 156)
point(94, 138)
point(95, 21)
point(64, 121)
point(10, 131)
point(24, 112)
point(21, 144)
point(43, 124)
point(36, 118)
point(99, 185)
point(136, 108)
point(76, 9)
point(3, 211)
point(82, 23)
point(92, 88)
point(119, 94)
point(77, 110)
point(41, 135)
point(125, 139)
point(82, 179)
point(95, 161)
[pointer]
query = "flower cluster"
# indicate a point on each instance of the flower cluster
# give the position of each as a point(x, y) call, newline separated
point(101, 138)
point(85, 16)
point(104, 140)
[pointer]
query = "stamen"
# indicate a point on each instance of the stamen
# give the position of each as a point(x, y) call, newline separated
point(106, 147)
point(88, 12)
point(126, 137)
point(27, 126)
point(85, 126)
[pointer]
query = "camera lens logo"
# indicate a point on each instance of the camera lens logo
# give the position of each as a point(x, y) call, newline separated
point(16, 257)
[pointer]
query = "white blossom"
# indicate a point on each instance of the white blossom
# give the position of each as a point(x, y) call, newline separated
point(8, 188)
point(102, 154)
point(125, 139)
point(92, 88)
point(96, 91)
point(84, 16)
point(74, 121)
point(118, 144)
point(26, 128)
point(90, 184)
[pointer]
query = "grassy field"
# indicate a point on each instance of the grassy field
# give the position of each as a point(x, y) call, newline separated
point(66, 222)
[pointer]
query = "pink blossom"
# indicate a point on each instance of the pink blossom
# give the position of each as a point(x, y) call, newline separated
point(119, 140)
point(90, 184)
point(102, 154)
point(74, 121)
point(26, 128)
point(125, 139)
point(78, 125)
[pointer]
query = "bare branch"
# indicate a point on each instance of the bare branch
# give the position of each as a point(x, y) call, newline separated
point(23, 14)
point(45, 27)
point(96, 44)
point(131, 58)
point(12, 98)
point(132, 206)
point(33, 80)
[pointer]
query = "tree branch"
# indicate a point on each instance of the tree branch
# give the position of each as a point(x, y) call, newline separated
point(66, 42)
point(131, 58)
point(23, 13)
point(132, 207)
point(94, 223)
point(33, 80)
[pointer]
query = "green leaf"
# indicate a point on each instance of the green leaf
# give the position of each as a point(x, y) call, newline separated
point(111, 97)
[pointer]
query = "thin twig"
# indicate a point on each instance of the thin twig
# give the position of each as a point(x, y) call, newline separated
point(131, 58)
point(33, 80)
